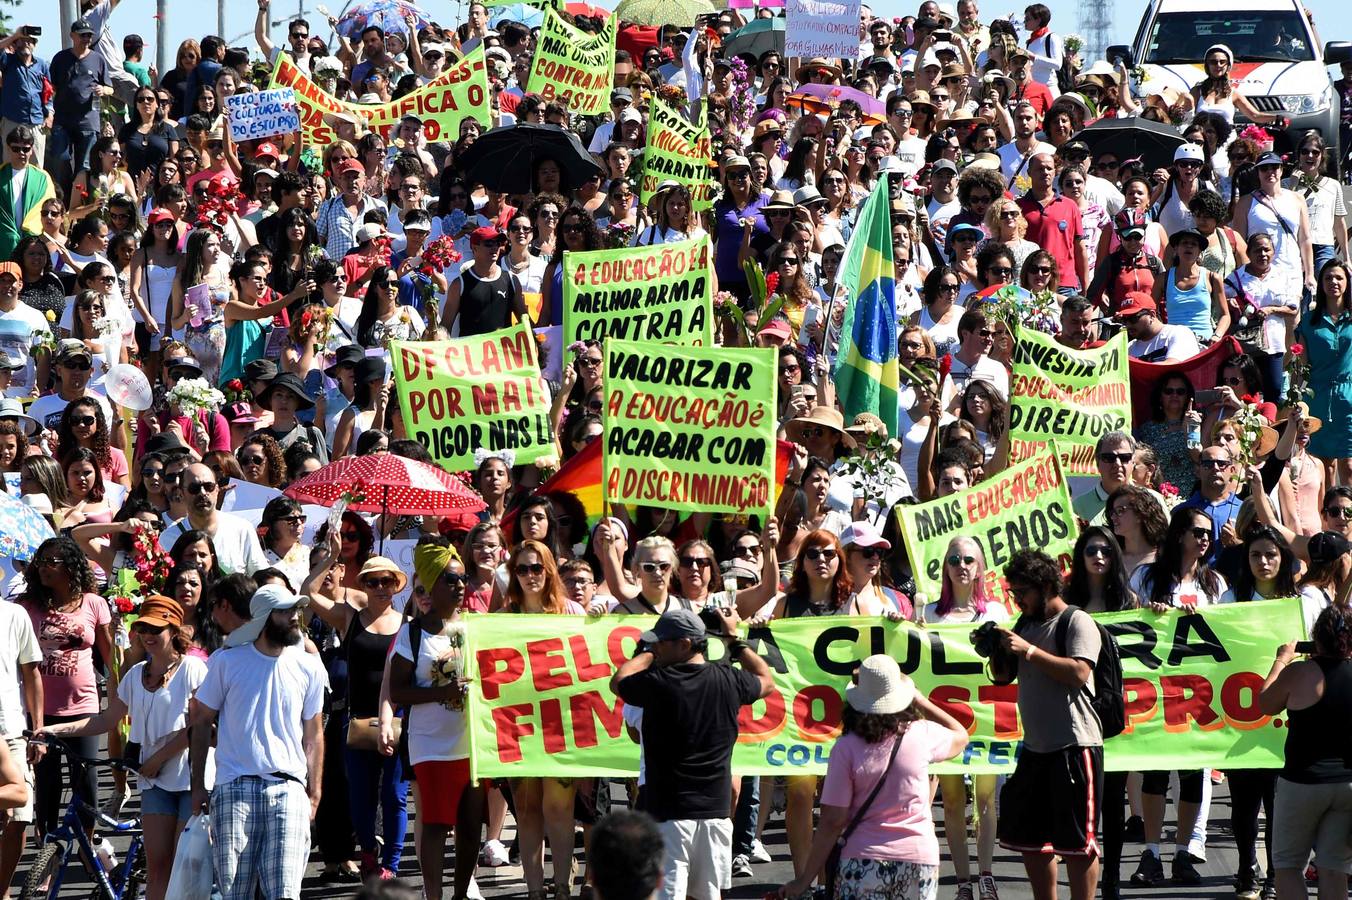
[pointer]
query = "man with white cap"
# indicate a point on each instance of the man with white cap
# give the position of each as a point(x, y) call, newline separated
point(687, 749)
point(21, 328)
point(267, 695)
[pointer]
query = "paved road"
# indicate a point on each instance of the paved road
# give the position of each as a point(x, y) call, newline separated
point(507, 882)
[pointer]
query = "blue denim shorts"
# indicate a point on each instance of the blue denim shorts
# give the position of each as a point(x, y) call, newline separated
point(159, 802)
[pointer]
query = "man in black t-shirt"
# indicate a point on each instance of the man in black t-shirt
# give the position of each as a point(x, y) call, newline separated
point(687, 745)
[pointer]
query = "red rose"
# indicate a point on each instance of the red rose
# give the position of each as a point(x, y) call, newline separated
point(945, 367)
point(1297, 349)
point(1250, 399)
point(305, 319)
point(772, 284)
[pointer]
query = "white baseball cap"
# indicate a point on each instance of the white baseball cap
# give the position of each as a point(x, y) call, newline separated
point(1193, 152)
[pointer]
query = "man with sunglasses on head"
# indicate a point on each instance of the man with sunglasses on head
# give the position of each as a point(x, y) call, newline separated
point(74, 367)
point(233, 538)
point(1151, 339)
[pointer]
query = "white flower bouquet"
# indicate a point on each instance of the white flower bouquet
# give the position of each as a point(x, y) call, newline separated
point(194, 395)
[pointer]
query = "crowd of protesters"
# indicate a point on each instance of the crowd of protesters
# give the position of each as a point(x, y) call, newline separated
point(292, 683)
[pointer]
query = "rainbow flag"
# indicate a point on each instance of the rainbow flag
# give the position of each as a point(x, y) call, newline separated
point(866, 373)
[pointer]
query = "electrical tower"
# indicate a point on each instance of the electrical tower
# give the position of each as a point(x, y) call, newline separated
point(1096, 27)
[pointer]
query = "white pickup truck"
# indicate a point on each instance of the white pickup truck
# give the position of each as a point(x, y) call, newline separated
point(1279, 65)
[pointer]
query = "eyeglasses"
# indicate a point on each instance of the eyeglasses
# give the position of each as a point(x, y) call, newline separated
point(868, 552)
point(1338, 512)
point(815, 553)
point(200, 487)
point(292, 520)
point(1213, 463)
point(1201, 535)
point(1098, 550)
point(252, 460)
point(83, 421)
point(696, 562)
point(590, 362)
point(1123, 458)
point(655, 568)
point(380, 583)
point(955, 560)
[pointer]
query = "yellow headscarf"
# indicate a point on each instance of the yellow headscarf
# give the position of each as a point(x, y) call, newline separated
point(430, 561)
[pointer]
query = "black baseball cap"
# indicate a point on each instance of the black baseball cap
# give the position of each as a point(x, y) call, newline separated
point(674, 625)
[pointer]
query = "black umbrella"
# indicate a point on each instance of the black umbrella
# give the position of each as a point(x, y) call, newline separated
point(505, 159)
point(1154, 142)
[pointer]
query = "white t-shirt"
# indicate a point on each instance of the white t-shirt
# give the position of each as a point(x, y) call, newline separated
point(939, 214)
point(1014, 165)
point(1185, 593)
point(20, 328)
point(156, 715)
point(235, 542)
point(1177, 341)
point(262, 704)
point(985, 369)
point(18, 646)
point(435, 733)
point(48, 409)
point(1324, 202)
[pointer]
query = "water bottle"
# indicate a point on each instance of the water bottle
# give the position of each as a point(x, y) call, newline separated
point(107, 858)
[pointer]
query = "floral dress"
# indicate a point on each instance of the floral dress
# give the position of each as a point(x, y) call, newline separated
point(1170, 443)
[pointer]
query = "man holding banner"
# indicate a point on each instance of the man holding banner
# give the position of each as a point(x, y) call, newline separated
point(688, 734)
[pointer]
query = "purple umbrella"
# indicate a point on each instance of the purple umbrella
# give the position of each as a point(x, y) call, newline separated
point(825, 98)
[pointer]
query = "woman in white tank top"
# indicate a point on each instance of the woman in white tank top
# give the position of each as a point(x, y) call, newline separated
point(1282, 214)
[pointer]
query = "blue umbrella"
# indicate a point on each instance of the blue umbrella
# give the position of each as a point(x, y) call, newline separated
point(388, 15)
point(22, 529)
point(530, 16)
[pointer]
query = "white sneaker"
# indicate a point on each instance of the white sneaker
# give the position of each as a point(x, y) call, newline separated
point(758, 852)
point(493, 855)
point(473, 892)
point(1197, 849)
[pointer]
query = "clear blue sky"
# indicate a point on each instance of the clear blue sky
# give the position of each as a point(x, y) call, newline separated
point(193, 18)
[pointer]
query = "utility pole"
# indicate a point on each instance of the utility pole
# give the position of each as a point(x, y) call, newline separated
point(1096, 27)
point(220, 18)
point(162, 38)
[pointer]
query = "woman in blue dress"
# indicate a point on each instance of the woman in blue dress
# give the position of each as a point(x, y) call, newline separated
point(1327, 337)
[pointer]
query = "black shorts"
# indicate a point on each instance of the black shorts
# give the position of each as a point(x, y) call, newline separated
point(1156, 784)
point(1051, 803)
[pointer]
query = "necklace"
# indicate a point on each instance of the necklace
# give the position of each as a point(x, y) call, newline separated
point(150, 683)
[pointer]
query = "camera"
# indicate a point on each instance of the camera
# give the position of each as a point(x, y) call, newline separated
point(712, 619)
point(985, 640)
point(32, 30)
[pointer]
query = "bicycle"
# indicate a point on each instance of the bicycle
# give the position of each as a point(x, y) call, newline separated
point(126, 879)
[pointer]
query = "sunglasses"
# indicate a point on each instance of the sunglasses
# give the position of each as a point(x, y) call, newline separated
point(529, 570)
point(148, 630)
point(350, 536)
point(1174, 391)
point(77, 365)
point(83, 421)
point(1041, 270)
point(591, 362)
point(1001, 271)
point(1202, 535)
point(152, 472)
point(958, 560)
point(696, 562)
point(455, 580)
point(1098, 550)
point(292, 520)
point(380, 583)
point(747, 550)
point(1123, 458)
point(655, 568)
point(1106, 165)
point(1214, 463)
point(24, 148)
point(200, 487)
point(869, 552)
point(815, 553)
point(1338, 512)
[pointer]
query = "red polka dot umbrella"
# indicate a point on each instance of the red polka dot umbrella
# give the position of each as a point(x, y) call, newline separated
point(386, 483)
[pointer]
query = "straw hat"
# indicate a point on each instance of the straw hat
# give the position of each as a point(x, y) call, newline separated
point(1314, 422)
point(384, 564)
point(867, 424)
point(881, 688)
point(826, 417)
point(820, 62)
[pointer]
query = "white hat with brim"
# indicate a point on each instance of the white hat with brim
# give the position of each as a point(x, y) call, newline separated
point(882, 689)
point(265, 601)
point(12, 408)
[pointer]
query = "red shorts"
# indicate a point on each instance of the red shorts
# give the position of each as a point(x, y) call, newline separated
point(441, 783)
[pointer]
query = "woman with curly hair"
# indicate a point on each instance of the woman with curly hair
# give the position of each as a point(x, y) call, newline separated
point(578, 232)
point(891, 732)
point(545, 211)
point(260, 461)
point(1138, 520)
point(787, 259)
point(83, 425)
point(1006, 225)
point(544, 806)
point(986, 408)
point(71, 621)
point(13, 446)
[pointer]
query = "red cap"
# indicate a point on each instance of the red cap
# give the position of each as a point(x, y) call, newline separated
point(350, 165)
point(459, 521)
point(484, 235)
point(777, 327)
point(1137, 302)
point(159, 214)
point(267, 148)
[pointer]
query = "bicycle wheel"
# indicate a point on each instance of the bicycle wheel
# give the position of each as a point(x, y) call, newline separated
point(44, 867)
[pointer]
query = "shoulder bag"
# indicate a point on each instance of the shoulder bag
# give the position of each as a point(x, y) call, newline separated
point(832, 868)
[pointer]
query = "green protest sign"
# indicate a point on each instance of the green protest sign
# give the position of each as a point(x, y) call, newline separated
point(1073, 397)
point(1025, 506)
point(481, 392)
point(573, 66)
point(690, 428)
point(540, 701)
point(660, 294)
point(676, 151)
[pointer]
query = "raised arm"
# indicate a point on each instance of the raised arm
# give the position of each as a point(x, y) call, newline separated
point(261, 30)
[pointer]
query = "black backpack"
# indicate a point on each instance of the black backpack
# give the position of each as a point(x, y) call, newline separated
point(1108, 701)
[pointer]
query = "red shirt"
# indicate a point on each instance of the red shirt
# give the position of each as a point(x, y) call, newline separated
point(1056, 228)
point(1036, 93)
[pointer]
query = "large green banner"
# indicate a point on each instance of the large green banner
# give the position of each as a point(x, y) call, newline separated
point(1073, 397)
point(1025, 506)
point(676, 151)
point(690, 428)
point(660, 294)
point(541, 704)
point(462, 395)
point(573, 66)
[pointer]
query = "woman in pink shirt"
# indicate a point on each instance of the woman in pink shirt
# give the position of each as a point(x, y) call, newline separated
point(891, 733)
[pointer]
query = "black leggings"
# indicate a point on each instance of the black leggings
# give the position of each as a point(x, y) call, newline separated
point(1250, 789)
point(1114, 823)
point(50, 781)
point(1156, 784)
